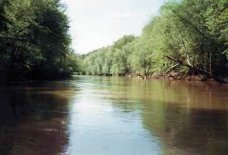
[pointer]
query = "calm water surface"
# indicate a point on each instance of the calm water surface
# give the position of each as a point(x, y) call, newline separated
point(114, 116)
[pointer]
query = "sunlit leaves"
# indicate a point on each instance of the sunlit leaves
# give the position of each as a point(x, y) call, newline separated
point(194, 31)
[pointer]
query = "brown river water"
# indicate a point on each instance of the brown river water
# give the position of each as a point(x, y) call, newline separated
point(114, 116)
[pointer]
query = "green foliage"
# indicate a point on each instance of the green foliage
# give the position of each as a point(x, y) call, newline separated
point(110, 60)
point(34, 40)
point(194, 31)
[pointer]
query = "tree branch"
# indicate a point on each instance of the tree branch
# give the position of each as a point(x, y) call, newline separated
point(181, 62)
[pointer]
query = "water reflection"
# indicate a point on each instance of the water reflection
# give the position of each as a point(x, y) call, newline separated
point(33, 119)
point(109, 116)
point(98, 128)
point(122, 116)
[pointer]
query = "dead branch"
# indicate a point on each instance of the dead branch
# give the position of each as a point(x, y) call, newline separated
point(209, 75)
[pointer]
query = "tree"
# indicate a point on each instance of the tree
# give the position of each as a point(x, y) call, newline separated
point(34, 39)
point(194, 32)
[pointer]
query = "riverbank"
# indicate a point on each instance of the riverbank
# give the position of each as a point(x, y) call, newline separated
point(171, 76)
point(174, 76)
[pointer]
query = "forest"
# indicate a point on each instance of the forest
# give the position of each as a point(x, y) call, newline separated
point(34, 41)
point(187, 37)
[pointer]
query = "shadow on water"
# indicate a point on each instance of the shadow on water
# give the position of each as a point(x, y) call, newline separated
point(187, 118)
point(99, 115)
point(33, 118)
point(187, 131)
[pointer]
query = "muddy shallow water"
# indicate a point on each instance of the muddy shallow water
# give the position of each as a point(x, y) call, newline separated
point(114, 116)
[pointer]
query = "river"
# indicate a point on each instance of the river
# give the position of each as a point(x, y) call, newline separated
point(89, 115)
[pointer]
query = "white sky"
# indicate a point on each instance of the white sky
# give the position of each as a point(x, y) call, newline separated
point(98, 23)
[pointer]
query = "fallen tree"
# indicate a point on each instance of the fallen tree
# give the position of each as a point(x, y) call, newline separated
point(208, 74)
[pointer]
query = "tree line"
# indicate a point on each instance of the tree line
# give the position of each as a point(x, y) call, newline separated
point(189, 37)
point(34, 40)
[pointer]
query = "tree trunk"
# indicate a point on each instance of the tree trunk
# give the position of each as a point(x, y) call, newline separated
point(208, 74)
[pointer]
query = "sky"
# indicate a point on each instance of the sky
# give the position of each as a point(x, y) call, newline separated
point(98, 23)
